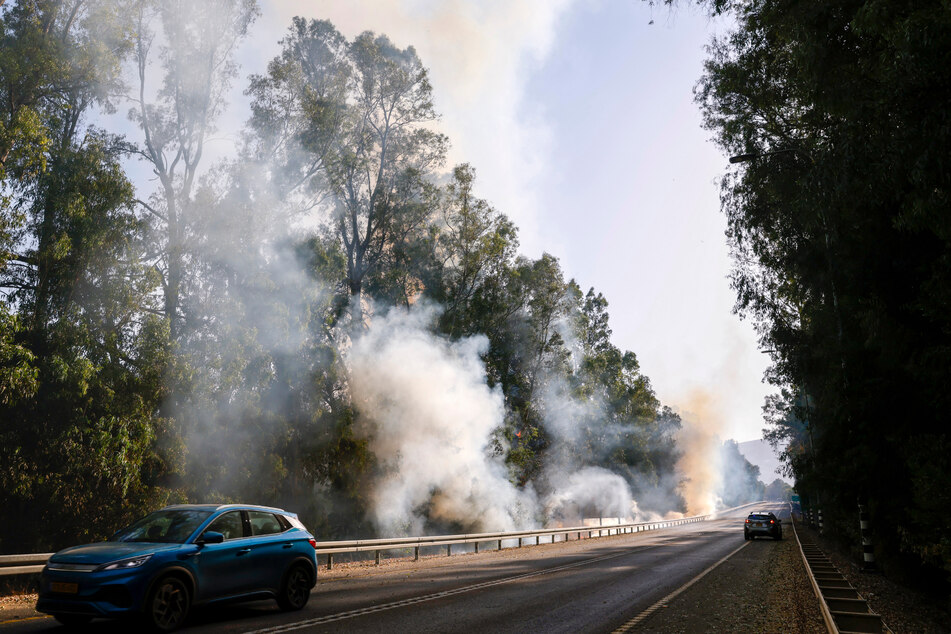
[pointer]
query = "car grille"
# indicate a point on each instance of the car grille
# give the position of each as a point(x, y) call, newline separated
point(72, 567)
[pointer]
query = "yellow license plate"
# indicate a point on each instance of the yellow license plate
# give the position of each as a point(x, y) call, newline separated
point(64, 588)
point(759, 525)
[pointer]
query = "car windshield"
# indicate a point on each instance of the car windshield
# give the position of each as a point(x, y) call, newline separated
point(169, 527)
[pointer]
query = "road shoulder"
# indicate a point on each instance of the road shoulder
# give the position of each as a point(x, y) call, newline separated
point(763, 587)
point(18, 608)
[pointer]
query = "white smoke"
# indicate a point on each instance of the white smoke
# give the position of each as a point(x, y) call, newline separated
point(428, 413)
point(575, 491)
point(590, 492)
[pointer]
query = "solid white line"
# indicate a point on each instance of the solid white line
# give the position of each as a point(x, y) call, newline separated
point(330, 618)
point(649, 611)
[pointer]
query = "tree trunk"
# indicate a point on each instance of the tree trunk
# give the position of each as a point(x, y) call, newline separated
point(356, 305)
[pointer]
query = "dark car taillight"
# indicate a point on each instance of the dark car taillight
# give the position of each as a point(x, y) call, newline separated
point(312, 542)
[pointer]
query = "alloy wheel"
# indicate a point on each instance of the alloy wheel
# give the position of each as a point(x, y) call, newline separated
point(169, 605)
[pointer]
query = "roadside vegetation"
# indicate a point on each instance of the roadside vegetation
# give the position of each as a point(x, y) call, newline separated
point(183, 340)
point(839, 227)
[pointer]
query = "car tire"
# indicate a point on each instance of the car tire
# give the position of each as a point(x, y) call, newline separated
point(746, 536)
point(295, 590)
point(168, 604)
point(73, 621)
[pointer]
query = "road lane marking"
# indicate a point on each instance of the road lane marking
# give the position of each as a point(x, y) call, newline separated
point(649, 611)
point(25, 619)
point(330, 618)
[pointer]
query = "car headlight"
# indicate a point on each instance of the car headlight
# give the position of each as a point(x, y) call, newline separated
point(123, 564)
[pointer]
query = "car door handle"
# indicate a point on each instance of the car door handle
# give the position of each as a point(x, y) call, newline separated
point(287, 546)
point(243, 551)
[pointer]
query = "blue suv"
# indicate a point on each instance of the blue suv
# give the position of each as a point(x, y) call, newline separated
point(180, 556)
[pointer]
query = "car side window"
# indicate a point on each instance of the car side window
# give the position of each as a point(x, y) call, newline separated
point(264, 523)
point(229, 525)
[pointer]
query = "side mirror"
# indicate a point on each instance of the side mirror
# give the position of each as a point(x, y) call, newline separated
point(210, 537)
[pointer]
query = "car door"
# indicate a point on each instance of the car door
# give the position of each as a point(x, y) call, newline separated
point(273, 549)
point(225, 568)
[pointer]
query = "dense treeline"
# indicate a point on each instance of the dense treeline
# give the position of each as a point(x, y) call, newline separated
point(185, 344)
point(839, 225)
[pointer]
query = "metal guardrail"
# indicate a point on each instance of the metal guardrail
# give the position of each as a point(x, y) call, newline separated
point(33, 563)
point(23, 564)
point(843, 608)
point(378, 546)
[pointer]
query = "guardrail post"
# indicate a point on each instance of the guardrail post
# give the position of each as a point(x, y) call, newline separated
point(519, 542)
point(417, 554)
point(537, 540)
point(448, 550)
point(500, 544)
point(330, 561)
point(868, 550)
point(477, 547)
point(377, 558)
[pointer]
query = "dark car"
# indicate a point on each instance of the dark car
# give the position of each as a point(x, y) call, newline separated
point(762, 523)
point(182, 556)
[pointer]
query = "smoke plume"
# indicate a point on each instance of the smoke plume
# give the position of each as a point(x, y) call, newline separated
point(428, 413)
point(700, 463)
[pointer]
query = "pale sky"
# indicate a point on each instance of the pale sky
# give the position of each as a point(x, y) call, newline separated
point(578, 116)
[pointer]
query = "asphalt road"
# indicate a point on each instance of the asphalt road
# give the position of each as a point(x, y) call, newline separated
point(592, 585)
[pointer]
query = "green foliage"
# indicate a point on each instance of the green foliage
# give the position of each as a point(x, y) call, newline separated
point(18, 374)
point(352, 117)
point(79, 451)
point(840, 234)
point(185, 345)
point(740, 482)
point(778, 490)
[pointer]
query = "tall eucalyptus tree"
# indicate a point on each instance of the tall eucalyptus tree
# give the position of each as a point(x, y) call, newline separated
point(196, 42)
point(359, 117)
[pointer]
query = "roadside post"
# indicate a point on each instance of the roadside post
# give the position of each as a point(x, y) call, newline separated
point(868, 551)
